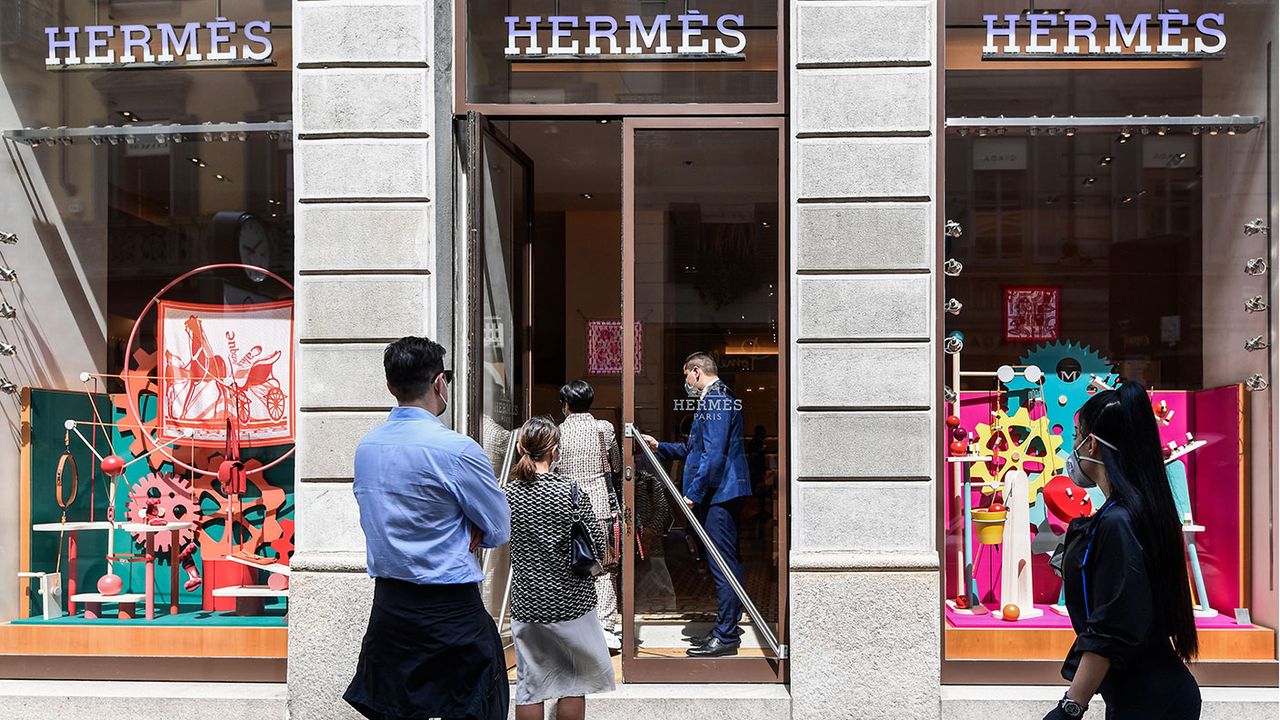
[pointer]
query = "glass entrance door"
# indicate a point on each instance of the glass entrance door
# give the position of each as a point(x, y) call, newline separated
point(702, 273)
point(499, 199)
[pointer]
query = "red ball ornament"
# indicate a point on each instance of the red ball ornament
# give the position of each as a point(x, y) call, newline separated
point(962, 602)
point(997, 507)
point(1010, 613)
point(959, 447)
point(112, 465)
point(953, 421)
point(110, 584)
point(959, 434)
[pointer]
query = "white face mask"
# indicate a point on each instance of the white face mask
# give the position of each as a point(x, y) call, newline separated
point(1075, 472)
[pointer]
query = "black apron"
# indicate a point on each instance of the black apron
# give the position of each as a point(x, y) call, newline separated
point(1108, 597)
point(430, 651)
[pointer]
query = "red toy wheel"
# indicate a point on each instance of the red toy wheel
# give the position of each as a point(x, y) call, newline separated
point(275, 403)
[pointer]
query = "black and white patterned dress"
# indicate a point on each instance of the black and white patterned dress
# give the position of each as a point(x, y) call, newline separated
point(560, 651)
point(589, 456)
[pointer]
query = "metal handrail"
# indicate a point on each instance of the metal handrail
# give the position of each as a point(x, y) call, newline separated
point(779, 651)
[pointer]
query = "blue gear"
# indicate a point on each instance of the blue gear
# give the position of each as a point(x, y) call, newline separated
point(1075, 391)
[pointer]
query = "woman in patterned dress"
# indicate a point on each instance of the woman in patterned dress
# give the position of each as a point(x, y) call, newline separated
point(560, 653)
point(589, 456)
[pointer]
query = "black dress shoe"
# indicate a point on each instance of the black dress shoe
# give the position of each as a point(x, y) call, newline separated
point(715, 647)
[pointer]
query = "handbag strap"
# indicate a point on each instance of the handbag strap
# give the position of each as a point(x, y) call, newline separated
point(606, 466)
point(574, 494)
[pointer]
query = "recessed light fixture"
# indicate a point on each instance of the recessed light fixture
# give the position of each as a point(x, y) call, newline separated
point(196, 161)
point(588, 196)
point(1090, 180)
point(604, 121)
point(1126, 199)
point(1122, 139)
point(1070, 132)
point(1106, 160)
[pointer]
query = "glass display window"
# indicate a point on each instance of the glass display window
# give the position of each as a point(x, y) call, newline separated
point(147, 324)
point(1107, 220)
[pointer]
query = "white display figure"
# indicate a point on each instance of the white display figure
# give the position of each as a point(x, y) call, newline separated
point(1015, 570)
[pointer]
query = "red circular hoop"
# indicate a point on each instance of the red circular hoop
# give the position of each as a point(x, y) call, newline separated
point(131, 404)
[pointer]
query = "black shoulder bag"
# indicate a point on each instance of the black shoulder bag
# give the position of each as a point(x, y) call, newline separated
point(582, 556)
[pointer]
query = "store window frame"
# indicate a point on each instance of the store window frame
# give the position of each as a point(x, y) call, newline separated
point(462, 104)
point(1215, 673)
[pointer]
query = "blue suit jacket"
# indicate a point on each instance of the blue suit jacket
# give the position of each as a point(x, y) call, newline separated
point(715, 466)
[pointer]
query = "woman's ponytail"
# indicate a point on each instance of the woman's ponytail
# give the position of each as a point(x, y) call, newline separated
point(538, 438)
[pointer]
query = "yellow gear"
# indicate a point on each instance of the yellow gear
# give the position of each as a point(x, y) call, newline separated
point(1017, 441)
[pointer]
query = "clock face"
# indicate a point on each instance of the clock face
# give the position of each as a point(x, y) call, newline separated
point(255, 247)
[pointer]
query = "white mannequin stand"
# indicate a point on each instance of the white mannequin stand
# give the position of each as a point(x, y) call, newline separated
point(1015, 570)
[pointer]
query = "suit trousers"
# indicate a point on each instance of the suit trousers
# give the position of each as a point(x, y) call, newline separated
point(721, 523)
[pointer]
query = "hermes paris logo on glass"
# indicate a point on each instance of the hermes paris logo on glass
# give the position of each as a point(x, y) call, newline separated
point(605, 35)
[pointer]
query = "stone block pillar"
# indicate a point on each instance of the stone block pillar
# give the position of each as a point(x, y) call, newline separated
point(865, 362)
point(364, 114)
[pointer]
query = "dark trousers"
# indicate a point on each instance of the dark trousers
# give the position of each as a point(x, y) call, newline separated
point(721, 523)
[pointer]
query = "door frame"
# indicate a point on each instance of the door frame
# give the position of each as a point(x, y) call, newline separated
point(689, 670)
point(478, 127)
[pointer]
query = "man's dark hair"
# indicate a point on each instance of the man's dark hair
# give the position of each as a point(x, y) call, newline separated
point(412, 364)
point(703, 361)
point(578, 395)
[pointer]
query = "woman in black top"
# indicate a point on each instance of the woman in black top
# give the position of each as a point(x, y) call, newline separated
point(1125, 571)
point(560, 651)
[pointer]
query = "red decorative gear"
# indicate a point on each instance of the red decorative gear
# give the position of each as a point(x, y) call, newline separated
point(284, 545)
point(176, 502)
point(269, 501)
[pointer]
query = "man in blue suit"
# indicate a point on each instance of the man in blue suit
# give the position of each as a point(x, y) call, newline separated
point(715, 482)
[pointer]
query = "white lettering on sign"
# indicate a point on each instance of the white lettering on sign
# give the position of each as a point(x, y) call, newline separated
point(606, 35)
point(193, 41)
point(1172, 32)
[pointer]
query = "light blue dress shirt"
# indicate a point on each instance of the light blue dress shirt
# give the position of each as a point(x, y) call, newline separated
point(421, 487)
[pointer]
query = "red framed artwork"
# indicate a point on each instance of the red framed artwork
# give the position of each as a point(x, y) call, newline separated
point(604, 347)
point(1031, 314)
point(225, 363)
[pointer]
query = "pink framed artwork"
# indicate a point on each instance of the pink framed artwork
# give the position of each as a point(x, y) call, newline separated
point(604, 347)
point(1031, 314)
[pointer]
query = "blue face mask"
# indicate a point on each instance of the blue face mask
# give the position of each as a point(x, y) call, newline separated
point(1075, 472)
point(691, 391)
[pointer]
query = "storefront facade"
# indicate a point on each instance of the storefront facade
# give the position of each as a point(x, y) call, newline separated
point(849, 203)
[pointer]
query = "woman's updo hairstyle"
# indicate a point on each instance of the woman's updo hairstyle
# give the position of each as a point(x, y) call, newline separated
point(539, 437)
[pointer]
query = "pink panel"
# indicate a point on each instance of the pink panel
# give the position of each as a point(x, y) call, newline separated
point(1216, 497)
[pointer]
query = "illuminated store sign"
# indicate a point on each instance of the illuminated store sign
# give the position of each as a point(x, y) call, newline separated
point(1170, 33)
point(214, 41)
point(692, 33)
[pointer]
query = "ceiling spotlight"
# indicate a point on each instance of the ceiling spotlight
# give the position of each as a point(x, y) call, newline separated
point(587, 196)
point(8, 350)
point(7, 311)
point(999, 131)
point(201, 164)
point(1090, 180)
point(1126, 199)
point(8, 274)
point(8, 238)
point(1053, 131)
point(963, 132)
point(1195, 129)
point(1231, 130)
point(130, 140)
point(224, 136)
point(1071, 132)
point(1106, 160)
point(195, 161)
point(96, 140)
point(1213, 131)
point(983, 132)
point(1033, 131)
point(1122, 139)
point(1162, 130)
point(604, 121)
point(7, 386)
point(952, 229)
point(1146, 130)
point(1126, 132)
point(113, 139)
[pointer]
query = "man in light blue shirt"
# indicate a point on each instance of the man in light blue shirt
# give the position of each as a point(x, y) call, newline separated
point(428, 498)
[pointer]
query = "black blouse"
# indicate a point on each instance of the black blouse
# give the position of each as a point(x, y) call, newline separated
point(1108, 593)
point(544, 589)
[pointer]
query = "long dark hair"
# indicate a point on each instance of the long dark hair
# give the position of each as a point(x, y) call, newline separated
point(538, 439)
point(1135, 469)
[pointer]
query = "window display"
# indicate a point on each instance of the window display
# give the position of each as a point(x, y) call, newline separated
point(1107, 222)
point(150, 309)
